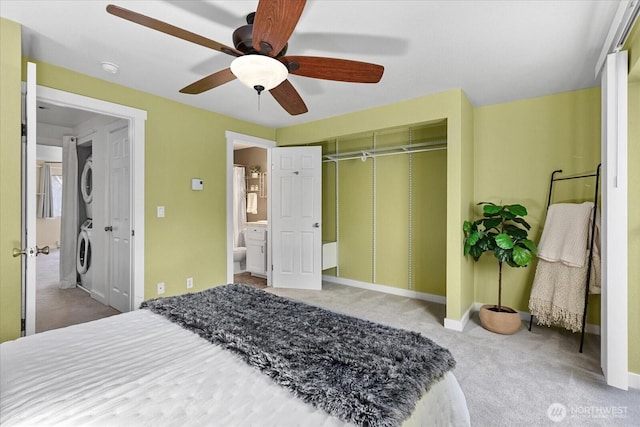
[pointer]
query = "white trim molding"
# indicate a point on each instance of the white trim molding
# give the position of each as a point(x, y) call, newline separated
point(458, 325)
point(137, 120)
point(634, 380)
point(385, 289)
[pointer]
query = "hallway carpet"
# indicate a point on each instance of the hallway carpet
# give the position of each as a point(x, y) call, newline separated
point(57, 308)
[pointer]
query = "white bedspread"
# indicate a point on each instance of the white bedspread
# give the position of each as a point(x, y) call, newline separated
point(139, 369)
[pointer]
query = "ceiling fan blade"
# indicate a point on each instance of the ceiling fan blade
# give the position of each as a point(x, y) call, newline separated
point(169, 29)
point(211, 81)
point(289, 98)
point(341, 70)
point(273, 24)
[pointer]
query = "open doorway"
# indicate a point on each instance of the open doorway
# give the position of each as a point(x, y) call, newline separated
point(248, 210)
point(124, 147)
point(65, 298)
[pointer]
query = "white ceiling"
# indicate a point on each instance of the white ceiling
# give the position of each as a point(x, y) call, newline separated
point(496, 51)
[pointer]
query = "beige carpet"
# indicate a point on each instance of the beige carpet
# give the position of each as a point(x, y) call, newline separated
point(507, 380)
point(57, 308)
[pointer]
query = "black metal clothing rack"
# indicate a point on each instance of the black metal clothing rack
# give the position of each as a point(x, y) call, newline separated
point(592, 237)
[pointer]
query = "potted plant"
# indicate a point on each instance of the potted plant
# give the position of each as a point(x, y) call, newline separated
point(255, 170)
point(503, 231)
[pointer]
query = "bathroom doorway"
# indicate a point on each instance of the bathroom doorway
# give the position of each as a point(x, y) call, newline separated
point(248, 210)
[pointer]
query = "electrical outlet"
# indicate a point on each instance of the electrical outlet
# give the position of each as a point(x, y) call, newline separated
point(189, 282)
point(160, 288)
point(160, 212)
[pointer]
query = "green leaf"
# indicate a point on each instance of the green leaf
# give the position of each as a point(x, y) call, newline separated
point(467, 248)
point(517, 209)
point(504, 241)
point(466, 227)
point(491, 209)
point(529, 245)
point(503, 255)
point(523, 222)
point(491, 222)
point(475, 252)
point(486, 243)
point(473, 238)
point(515, 231)
point(507, 215)
point(522, 256)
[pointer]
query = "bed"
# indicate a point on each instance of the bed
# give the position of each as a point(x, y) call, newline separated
point(144, 368)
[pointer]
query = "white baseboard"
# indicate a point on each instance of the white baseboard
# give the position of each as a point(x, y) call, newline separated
point(458, 325)
point(386, 289)
point(634, 380)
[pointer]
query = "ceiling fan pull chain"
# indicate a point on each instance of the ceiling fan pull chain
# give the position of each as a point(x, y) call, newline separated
point(259, 89)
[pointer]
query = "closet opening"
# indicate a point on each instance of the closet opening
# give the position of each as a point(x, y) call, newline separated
point(385, 207)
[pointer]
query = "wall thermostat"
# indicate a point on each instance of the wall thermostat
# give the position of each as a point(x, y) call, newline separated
point(197, 184)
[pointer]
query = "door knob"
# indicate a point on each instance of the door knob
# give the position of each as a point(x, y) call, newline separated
point(18, 252)
point(316, 225)
point(44, 250)
point(31, 252)
point(108, 228)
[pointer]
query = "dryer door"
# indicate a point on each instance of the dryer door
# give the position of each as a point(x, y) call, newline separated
point(86, 181)
point(83, 258)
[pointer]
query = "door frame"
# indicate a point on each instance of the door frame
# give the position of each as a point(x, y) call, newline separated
point(136, 118)
point(267, 144)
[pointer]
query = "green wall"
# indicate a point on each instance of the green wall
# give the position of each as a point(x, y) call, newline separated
point(10, 72)
point(518, 145)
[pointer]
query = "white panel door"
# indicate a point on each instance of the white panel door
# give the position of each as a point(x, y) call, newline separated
point(296, 215)
point(29, 249)
point(613, 328)
point(119, 216)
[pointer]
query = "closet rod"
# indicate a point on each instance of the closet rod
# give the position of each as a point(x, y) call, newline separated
point(386, 151)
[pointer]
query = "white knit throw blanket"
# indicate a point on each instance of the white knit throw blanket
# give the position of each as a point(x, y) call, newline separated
point(557, 294)
point(565, 235)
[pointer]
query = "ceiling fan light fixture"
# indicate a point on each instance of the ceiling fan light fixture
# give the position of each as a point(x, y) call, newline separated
point(259, 71)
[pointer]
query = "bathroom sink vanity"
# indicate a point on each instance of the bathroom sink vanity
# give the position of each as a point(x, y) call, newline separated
point(256, 241)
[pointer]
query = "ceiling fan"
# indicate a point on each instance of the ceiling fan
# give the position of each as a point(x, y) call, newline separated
point(260, 48)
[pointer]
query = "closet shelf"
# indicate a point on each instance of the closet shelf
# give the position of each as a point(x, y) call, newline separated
point(386, 151)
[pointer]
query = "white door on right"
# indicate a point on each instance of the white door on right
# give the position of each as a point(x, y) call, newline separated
point(296, 215)
point(119, 216)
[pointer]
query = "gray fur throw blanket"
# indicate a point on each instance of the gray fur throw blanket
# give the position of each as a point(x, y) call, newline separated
point(362, 372)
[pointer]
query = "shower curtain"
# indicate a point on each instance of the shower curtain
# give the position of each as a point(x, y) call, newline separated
point(45, 201)
point(239, 205)
point(69, 226)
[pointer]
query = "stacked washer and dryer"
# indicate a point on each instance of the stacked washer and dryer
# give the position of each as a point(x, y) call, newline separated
point(83, 259)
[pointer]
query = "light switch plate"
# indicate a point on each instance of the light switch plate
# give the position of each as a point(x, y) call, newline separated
point(160, 211)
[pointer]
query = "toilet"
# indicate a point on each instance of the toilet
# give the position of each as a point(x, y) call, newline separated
point(240, 256)
point(239, 260)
